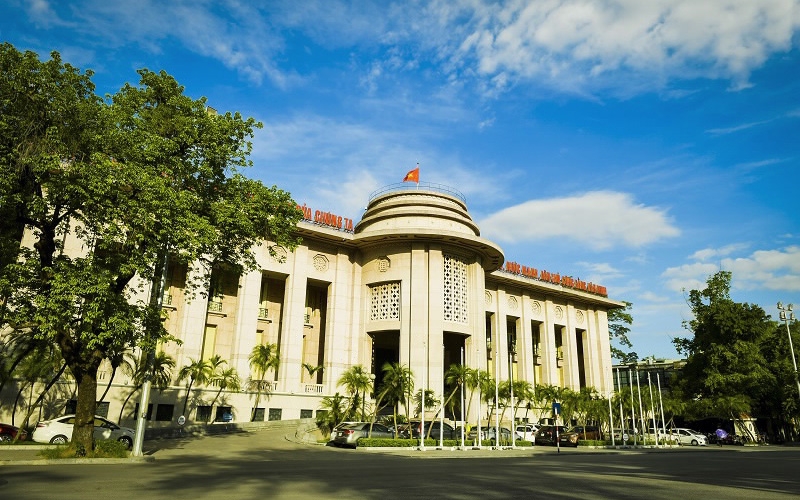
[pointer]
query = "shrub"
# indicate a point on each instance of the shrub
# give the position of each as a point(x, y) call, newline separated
point(103, 449)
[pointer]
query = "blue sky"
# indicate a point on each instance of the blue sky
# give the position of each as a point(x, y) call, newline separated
point(639, 145)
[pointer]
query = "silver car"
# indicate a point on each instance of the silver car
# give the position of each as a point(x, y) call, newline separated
point(59, 431)
point(350, 434)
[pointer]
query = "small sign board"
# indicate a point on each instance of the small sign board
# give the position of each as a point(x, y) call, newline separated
point(181, 420)
point(556, 408)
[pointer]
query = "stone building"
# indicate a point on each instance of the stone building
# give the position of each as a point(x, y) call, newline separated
point(411, 282)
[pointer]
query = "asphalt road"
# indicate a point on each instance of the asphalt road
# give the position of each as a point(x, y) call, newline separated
point(266, 465)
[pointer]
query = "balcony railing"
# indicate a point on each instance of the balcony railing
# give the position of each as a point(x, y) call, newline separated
point(166, 299)
point(215, 306)
point(312, 388)
point(307, 318)
point(263, 313)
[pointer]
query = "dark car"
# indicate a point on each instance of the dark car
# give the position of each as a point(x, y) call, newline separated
point(350, 434)
point(546, 435)
point(578, 433)
point(435, 430)
point(488, 434)
point(9, 433)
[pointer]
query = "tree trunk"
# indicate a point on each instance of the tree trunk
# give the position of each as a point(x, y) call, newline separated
point(16, 401)
point(186, 398)
point(83, 431)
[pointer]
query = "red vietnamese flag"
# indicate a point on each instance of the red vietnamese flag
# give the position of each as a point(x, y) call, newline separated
point(412, 176)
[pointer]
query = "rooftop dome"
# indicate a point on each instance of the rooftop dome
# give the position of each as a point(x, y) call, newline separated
point(428, 212)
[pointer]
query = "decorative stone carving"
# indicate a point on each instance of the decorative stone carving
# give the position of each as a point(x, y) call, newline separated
point(513, 303)
point(320, 262)
point(384, 264)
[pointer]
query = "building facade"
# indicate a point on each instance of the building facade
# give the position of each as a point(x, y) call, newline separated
point(412, 282)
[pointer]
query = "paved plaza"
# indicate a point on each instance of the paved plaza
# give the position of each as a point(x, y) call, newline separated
point(272, 464)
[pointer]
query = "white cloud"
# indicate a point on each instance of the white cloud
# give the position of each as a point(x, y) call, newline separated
point(599, 220)
point(736, 128)
point(710, 253)
point(776, 270)
point(575, 44)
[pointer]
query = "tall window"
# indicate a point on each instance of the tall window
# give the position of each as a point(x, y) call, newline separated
point(209, 341)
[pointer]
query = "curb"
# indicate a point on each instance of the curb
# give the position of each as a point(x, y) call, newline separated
point(78, 461)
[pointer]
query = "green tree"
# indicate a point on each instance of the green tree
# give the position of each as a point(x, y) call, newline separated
point(197, 371)
point(160, 372)
point(431, 401)
point(147, 172)
point(224, 379)
point(619, 326)
point(116, 359)
point(333, 411)
point(456, 377)
point(398, 382)
point(313, 370)
point(263, 357)
point(726, 372)
point(523, 393)
point(356, 380)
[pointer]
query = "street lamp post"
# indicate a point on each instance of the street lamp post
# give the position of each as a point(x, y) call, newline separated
point(787, 315)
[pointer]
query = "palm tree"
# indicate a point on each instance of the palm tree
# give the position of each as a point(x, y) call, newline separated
point(196, 371)
point(456, 376)
point(161, 375)
point(332, 412)
point(523, 391)
point(312, 370)
point(473, 380)
point(398, 380)
point(117, 358)
point(262, 358)
point(356, 380)
point(40, 364)
point(225, 379)
point(431, 401)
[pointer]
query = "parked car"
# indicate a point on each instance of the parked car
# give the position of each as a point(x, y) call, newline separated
point(350, 434)
point(688, 436)
point(488, 435)
point(546, 435)
point(578, 433)
point(435, 430)
point(9, 433)
point(340, 426)
point(59, 431)
point(526, 432)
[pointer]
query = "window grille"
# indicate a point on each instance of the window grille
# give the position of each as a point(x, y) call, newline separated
point(455, 289)
point(385, 301)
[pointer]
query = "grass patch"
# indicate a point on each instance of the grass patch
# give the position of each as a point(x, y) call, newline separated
point(102, 449)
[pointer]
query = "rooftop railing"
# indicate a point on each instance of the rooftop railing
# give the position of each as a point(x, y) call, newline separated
point(413, 186)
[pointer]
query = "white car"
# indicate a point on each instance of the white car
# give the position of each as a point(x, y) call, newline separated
point(526, 432)
point(688, 436)
point(59, 431)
